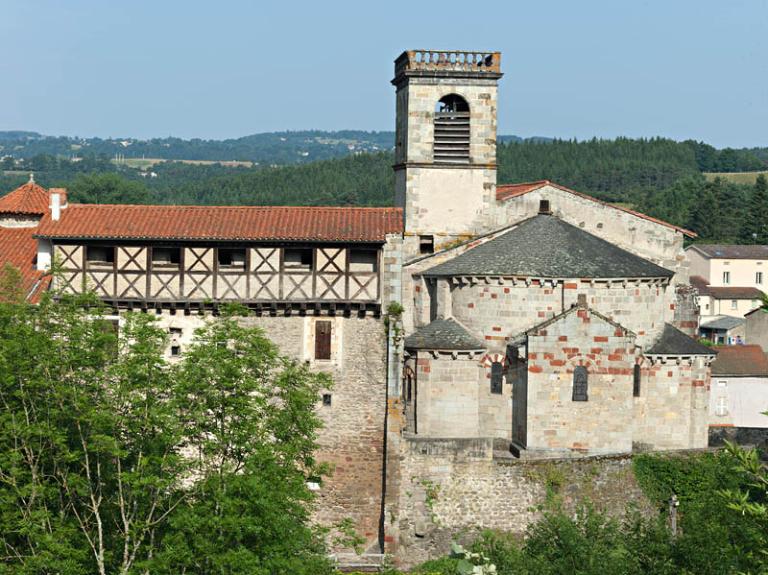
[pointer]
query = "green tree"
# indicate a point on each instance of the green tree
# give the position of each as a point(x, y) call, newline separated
point(755, 226)
point(107, 188)
point(252, 423)
point(114, 462)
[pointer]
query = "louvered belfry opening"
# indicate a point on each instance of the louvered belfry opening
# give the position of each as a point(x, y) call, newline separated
point(452, 130)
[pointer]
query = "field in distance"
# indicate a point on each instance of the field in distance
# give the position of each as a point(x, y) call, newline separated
point(735, 177)
point(144, 163)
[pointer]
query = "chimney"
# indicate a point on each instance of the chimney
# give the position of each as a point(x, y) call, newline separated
point(58, 202)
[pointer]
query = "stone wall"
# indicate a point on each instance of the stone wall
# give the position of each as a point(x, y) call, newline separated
point(452, 489)
point(602, 423)
point(448, 202)
point(672, 410)
point(495, 311)
point(757, 329)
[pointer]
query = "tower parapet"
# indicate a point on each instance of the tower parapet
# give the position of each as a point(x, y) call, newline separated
point(449, 62)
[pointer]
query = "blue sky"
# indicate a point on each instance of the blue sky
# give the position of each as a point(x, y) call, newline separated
point(573, 68)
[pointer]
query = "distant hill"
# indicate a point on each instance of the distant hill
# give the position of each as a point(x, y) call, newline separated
point(270, 148)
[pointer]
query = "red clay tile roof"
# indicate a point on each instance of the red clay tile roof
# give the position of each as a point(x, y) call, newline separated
point(732, 252)
point(223, 223)
point(744, 360)
point(19, 248)
point(29, 199)
point(507, 191)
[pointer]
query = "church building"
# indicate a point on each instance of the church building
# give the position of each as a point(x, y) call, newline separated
point(533, 315)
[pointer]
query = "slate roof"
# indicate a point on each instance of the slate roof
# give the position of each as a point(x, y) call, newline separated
point(547, 247)
point(29, 199)
point(732, 252)
point(672, 341)
point(722, 322)
point(443, 334)
point(740, 360)
point(221, 223)
point(507, 191)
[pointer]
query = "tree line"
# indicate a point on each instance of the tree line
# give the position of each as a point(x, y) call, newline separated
point(657, 176)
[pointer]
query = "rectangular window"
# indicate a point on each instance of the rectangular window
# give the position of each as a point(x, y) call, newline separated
point(327, 399)
point(426, 244)
point(166, 257)
point(175, 350)
point(497, 377)
point(636, 381)
point(726, 277)
point(232, 258)
point(759, 277)
point(323, 340)
point(734, 304)
point(100, 255)
point(297, 259)
point(363, 260)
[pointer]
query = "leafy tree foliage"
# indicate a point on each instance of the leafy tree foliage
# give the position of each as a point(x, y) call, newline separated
point(113, 461)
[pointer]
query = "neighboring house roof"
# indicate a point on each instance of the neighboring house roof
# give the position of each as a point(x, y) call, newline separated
point(19, 249)
point(223, 223)
point(506, 191)
point(725, 322)
point(732, 252)
point(672, 341)
point(445, 334)
point(740, 360)
point(547, 247)
point(724, 292)
point(29, 199)
point(734, 292)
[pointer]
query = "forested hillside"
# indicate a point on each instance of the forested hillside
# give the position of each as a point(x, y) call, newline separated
point(660, 177)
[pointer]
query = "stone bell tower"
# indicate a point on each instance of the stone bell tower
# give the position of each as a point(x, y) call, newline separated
point(445, 137)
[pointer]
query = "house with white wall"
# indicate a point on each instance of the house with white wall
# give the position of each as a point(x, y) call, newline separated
point(739, 394)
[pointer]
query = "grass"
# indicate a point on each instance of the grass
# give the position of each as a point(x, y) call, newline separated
point(735, 177)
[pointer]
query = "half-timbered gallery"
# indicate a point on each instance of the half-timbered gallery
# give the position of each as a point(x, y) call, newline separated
point(535, 318)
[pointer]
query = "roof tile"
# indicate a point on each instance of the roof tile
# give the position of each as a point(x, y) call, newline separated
point(29, 199)
point(223, 223)
point(744, 360)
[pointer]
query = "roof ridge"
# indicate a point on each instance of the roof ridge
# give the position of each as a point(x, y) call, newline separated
point(234, 207)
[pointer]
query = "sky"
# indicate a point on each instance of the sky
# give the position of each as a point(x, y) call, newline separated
point(228, 68)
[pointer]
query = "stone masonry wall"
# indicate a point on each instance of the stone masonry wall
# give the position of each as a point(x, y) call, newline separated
point(672, 410)
point(495, 312)
point(453, 489)
point(603, 423)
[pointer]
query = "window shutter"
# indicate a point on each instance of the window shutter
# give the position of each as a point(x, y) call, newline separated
point(322, 340)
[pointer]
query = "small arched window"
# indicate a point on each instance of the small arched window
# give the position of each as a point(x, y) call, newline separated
point(497, 377)
point(451, 130)
point(580, 384)
point(636, 381)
